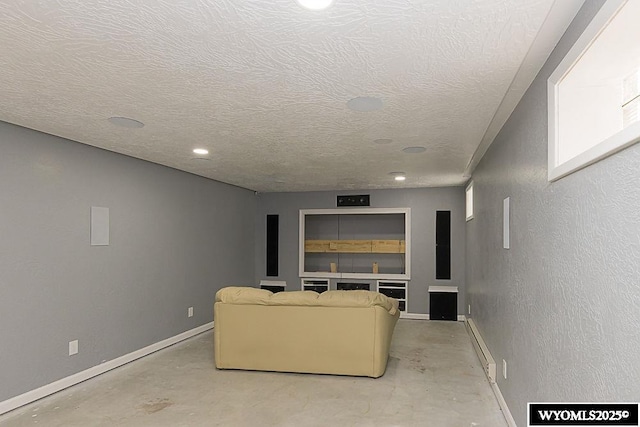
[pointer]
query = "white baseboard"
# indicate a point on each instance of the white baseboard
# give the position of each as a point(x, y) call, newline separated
point(54, 387)
point(503, 405)
point(421, 316)
point(414, 316)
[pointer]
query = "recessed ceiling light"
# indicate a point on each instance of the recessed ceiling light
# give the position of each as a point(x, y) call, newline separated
point(126, 122)
point(201, 151)
point(383, 141)
point(315, 4)
point(414, 150)
point(365, 104)
point(398, 176)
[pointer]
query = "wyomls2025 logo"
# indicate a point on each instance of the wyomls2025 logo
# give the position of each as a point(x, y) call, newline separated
point(583, 414)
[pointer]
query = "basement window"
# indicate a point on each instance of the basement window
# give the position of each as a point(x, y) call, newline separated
point(594, 94)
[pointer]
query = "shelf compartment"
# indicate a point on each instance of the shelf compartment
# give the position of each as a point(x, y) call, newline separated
point(395, 289)
point(355, 246)
point(316, 284)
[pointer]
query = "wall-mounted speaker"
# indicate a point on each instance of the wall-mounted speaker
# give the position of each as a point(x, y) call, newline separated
point(361, 200)
point(272, 245)
point(443, 245)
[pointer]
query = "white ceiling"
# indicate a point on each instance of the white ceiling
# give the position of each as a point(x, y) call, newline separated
point(264, 84)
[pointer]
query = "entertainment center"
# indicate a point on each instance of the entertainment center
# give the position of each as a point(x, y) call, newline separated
point(359, 248)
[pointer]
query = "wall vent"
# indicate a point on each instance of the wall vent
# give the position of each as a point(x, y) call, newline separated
point(488, 364)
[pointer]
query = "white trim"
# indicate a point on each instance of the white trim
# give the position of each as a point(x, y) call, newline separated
point(484, 355)
point(414, 316)
point(320, 274)
point(301, 252)
point(555, 24)
point(472, 329)
point(503, 405)
point(618, 141)
point(360, 211)
point(404, 277)
point(328, 275)
point(449, 289)
point(421, 316)
point(56, 386)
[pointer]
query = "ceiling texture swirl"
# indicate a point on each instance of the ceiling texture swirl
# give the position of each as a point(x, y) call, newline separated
point(265, 85)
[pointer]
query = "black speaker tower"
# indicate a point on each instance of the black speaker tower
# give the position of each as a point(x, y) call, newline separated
point(272, 245)
point(443, 244)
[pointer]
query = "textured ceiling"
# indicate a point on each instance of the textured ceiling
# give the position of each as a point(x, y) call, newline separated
point(264, 84)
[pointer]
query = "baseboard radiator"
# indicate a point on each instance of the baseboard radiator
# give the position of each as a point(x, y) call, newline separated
point(482, 350)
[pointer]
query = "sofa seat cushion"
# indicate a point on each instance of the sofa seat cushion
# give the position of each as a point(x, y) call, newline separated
point(358, 298)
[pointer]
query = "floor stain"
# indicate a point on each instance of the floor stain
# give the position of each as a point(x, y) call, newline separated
point(157, 405)
point(417, 364)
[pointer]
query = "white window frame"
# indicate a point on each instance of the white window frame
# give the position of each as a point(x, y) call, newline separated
point(620, 140)
point(468, 197)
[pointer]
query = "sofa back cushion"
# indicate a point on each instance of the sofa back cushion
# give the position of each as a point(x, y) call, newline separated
point(299, 298)
point(358, 298)
point(243, 295)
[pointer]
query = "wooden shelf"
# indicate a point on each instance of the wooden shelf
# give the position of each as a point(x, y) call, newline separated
point(355, 246)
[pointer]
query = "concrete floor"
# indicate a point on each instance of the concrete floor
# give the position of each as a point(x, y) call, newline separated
point(433, 379)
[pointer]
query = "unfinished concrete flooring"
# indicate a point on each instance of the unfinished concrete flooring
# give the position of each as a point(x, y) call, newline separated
point(433, 379)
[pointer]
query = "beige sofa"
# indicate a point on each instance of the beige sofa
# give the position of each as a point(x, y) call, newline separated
point(336, 332)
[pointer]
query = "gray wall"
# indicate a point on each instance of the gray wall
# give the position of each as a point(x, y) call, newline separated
point(423, 203)
point(175, 239)
point(561, 306)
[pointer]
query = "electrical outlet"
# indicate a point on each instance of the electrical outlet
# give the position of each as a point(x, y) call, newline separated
point(190, 312)
point(504, 369)
point(73, 347)
point(469, 310)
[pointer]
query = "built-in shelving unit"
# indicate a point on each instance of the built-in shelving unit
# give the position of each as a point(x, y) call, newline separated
point(395, 289)
point(359, 243)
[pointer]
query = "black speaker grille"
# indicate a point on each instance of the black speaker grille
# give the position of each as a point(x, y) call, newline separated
point(360, 200)
point(272, 245)
point(443, 245)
